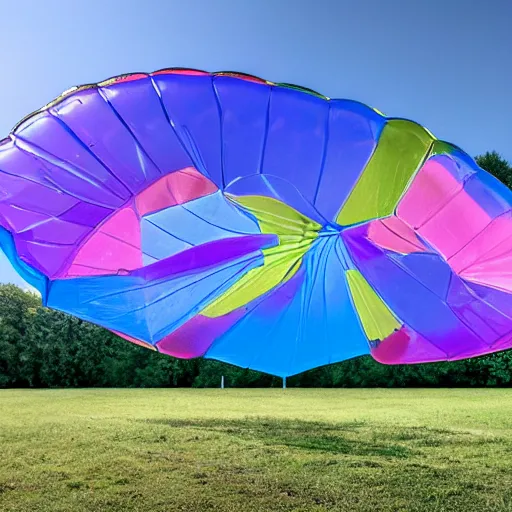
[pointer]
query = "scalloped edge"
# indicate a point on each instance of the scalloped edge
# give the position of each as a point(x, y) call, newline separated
point(35, 277)
point(128, 77)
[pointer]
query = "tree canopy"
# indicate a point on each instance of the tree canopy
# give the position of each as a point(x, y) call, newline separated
point(494, 163)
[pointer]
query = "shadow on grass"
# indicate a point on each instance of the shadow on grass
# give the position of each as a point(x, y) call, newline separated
point(351, 438)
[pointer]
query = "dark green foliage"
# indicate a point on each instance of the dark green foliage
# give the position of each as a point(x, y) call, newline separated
point(44, 348)
point(492, 162)
point(17, 309)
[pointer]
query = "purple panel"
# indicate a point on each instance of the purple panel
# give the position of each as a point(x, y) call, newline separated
point(85, 214)
point(101, 130)
point(139, 106)
point(410, 300)
point(51, 243)
point(206, 256)
point(244, 107)
point(496, 299)
point(433, 272)
point(489, 324)
point(192, 106)
point(46, 257)
point(41, 205)
point(277, 188)
point(504, 343)
point(460, 167)
point(352, 134)
point(17, 219)
point(24, 181)
point(297, 139)
point(67, 163)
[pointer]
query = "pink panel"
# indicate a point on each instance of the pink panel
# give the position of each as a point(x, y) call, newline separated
point(496, 273)
point(172, 189)
point(455, 225)
point(196, 336)
point(129, 78)
point(406, 346)
point(393, 234)
point(178, 71)
point(494, 242)
point(114, 246)
point(124, 225)
point(432, 188)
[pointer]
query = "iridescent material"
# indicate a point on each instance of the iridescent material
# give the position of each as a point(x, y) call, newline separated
point(264, 225)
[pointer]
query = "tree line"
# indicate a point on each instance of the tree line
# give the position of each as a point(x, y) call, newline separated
point(40, 347)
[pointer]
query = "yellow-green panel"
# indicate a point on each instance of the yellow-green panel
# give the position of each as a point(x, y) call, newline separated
point(401, 149)
point(296, 233)
point(441, 148)
point(377, 319)
point(280, 265)
point(278, 218)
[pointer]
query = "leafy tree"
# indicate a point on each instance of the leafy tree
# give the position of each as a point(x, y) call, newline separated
point(495, 164)
point(16, 310)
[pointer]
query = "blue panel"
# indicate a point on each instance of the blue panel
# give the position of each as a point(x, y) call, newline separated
point(430, 269)
point(266, 332)
point(277, 188)
point(458, 164)
point(29, 274)
point(297, 137)
point(138, 104)
point(492, 195)
point(202, 220)
point(146, 309)
point(307, 322)
point(244, 107)
point(148, 260)
point(159, 243)
point(330, 330)
point(353, 132)
point(193, 110)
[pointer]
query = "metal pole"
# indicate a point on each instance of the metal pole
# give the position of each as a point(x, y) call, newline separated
point(284, 382)
point(222, 382)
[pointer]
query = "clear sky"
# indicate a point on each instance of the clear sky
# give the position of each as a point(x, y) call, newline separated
point(444, 63)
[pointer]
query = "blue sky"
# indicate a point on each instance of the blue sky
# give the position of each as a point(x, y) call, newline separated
point(443, 63)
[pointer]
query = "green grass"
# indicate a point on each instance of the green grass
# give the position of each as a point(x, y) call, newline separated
point(256, 450)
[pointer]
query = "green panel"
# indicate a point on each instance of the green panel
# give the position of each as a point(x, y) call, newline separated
point(377, 319)
point(296, 233)
point(401, 150)
point(441, 148)
point(278, 268)
point(277, 218)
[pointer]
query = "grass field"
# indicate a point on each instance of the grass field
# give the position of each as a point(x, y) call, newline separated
point(255, 450)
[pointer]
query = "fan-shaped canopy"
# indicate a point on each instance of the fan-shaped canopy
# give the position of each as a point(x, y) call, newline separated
point(261, 224)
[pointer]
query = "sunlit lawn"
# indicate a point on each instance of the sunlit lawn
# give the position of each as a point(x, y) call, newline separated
point(255, 450)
